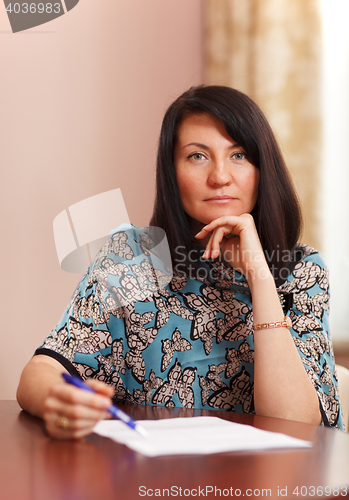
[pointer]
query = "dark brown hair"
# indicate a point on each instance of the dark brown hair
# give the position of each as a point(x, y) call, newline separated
point(276, 214)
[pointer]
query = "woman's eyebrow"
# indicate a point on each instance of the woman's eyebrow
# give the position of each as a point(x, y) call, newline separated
point(197, 144)
point(203, 146)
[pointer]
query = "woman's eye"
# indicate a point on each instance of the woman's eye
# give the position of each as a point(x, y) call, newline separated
point(197, 156)
point(239, 156)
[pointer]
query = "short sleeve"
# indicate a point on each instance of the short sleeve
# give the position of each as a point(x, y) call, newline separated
point(83, 327)
point(309, 285)
point(90, 340)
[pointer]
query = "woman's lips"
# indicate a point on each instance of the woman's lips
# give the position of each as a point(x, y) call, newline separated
point(220, 199)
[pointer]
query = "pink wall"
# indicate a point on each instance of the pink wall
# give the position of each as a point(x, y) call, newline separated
point(81, 102)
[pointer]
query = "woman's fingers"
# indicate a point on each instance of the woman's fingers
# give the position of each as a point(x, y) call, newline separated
point(71, 412)
point(62, 427)
point(74, 411)
point(218, 233)
point(73, 395)
point(74, 422)
point(235, 238)
point(101, 387)
point(213, 246)
point(232, 221)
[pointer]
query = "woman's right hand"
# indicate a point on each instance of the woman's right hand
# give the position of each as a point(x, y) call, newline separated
point(235, 237)
point(71, 413)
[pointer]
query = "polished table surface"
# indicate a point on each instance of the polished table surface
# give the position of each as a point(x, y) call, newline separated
point(35, 467)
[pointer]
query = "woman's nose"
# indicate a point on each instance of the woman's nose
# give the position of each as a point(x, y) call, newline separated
point(220, 174)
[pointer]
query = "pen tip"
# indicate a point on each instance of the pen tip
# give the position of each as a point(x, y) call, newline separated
point(142, 431)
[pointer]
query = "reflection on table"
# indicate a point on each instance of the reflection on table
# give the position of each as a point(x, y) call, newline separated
point(35, 467)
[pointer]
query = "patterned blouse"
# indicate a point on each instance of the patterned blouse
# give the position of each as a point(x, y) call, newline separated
point(182, 341)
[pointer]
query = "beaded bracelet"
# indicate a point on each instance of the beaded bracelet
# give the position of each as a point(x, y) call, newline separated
point(286, 323)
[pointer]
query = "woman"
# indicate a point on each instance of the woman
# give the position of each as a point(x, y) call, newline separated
point(227, 205)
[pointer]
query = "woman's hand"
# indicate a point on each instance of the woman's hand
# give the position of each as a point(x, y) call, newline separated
point(236, 239)
point(71, 413)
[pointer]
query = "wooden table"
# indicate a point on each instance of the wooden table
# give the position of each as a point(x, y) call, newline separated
point(35, 467)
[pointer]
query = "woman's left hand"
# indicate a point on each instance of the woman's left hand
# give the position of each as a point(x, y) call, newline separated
point(236, 239)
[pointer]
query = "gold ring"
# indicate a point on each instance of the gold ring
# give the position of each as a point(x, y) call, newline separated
point(62, 422)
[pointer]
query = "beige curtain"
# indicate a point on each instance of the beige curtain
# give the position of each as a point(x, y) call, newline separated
point(271, 50)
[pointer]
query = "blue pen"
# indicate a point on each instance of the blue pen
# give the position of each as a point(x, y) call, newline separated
point(116, 412)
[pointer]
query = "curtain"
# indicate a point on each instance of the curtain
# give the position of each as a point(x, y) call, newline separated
point(271, 50)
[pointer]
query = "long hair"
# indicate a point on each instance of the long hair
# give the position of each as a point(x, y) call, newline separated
point(276, 214)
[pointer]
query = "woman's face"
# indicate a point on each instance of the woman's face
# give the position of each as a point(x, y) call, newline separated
point(213, 174)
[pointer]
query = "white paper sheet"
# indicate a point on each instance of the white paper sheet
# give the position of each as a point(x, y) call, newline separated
point(196, 435)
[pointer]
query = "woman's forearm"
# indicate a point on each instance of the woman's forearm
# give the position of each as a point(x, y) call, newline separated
point(282, 387)
point(38, 376)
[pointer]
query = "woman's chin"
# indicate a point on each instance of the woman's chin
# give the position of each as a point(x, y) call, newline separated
point(216, 214)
